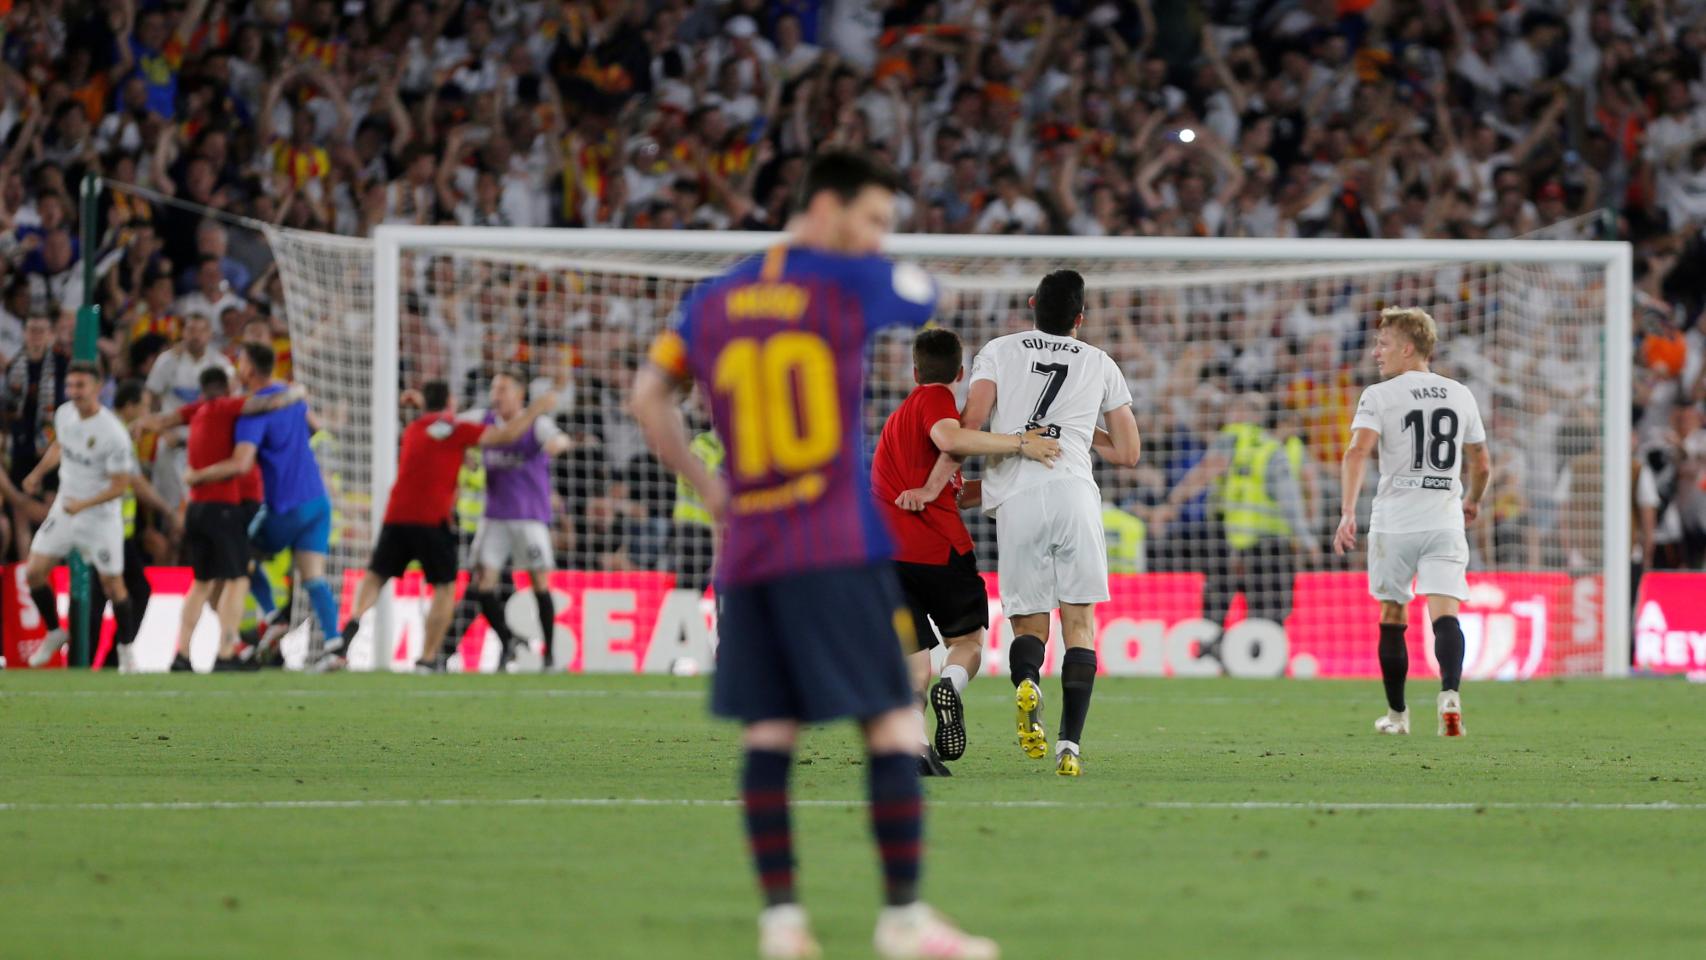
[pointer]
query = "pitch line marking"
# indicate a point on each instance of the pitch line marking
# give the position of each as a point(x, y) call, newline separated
point(1662, 806)
point(578, 692)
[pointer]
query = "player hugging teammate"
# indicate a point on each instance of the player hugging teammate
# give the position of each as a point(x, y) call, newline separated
point(916, 478)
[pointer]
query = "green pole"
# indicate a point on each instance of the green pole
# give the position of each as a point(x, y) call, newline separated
point(83, 348)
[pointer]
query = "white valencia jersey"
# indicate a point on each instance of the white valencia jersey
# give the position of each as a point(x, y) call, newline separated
point(1424, 421)
point(1049, 381)
point(91, 453)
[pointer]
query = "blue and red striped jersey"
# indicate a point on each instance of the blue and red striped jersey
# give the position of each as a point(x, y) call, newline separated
point(777, 345)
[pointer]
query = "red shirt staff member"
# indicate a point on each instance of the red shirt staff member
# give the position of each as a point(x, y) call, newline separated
point(216, 523)
point(417, 525)
point(916, 480)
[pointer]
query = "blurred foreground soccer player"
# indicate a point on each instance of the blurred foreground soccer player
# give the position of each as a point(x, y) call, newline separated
point(417, 525)
point(918, 486)
point(296, 513)
point(92, 452)
point(1048, 523)
point(1418, 421)
point(812, 622)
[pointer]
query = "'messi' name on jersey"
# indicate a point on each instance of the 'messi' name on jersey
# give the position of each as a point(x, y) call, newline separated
point(1038, 343)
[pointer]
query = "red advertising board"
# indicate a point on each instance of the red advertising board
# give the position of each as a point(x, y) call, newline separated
point(1670, 623)
point(1516, 625)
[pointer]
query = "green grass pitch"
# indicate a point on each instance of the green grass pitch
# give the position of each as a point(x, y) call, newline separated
point(172, 816)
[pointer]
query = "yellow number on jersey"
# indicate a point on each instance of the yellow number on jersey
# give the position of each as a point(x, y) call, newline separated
point(765, 381)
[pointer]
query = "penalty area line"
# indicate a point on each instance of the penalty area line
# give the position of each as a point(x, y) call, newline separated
point(643, 802)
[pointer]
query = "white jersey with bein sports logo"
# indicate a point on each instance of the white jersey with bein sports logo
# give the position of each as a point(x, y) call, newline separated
point(1044, 380)
point(92, 452)
point(1424, 421)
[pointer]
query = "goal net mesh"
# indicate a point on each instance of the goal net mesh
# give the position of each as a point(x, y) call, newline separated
point(1283, 346)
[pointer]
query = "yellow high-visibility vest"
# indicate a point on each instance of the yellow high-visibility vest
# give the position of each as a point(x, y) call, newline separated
point(471, 492)
point(1125, 534)
point(689, 508)
point(321, 443)
point(1248, 509)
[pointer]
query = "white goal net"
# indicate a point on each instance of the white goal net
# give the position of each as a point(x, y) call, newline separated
point(1223, 342)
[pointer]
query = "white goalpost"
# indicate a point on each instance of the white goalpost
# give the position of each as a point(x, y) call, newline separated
point(1540, 330)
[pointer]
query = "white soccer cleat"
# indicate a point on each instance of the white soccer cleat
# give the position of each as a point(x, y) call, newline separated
point(917, 932)
point(785, 934)
point(1451, 714)
point(126, 658)
point(1396, 723)
point(50, 645)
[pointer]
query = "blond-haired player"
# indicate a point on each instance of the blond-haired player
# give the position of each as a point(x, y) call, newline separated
point(1428, 432)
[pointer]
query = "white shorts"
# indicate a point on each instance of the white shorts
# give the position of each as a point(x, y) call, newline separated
point(523, 544)
point(1437, 560)
point(1052, 549)
point(96, 534)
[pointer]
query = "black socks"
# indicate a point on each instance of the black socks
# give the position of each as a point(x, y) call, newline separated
point(1077, 680)
point(47, 604)
point(547, 619)
point(124, 616)
point(1025, 659)
point(1395, 663)
point(492, 606)
point(1448, 650)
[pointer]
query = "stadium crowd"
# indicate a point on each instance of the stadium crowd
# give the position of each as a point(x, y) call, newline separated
point(1290, 118)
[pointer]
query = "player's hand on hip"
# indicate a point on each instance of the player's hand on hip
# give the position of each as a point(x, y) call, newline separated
point(913, 500)
point(1345, 540)
point(1035, 445)
point(73, 507)
point(1471, 511)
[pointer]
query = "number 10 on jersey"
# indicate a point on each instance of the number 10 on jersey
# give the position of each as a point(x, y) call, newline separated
point(784, 415)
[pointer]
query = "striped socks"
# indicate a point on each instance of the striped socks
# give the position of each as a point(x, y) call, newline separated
point(769, 831)
point(897, 820)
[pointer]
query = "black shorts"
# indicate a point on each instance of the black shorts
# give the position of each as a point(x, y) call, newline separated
point(400, 544)
point(813, 647)
point(951, 595)
point(217, 535)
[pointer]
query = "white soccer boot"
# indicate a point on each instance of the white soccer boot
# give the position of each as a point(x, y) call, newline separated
point(1395, 722)
point(50, 645)
point(1451, 714)
point(917, 932)
point(126, 658)
point(784, 933)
